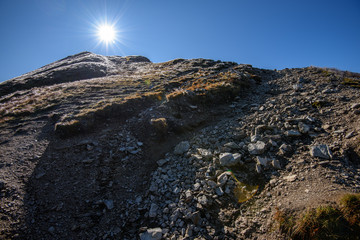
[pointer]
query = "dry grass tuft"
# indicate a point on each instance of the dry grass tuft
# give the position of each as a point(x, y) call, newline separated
point(324, 222)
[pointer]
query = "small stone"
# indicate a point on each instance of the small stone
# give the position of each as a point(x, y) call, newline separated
point(139, 144)
point(40, 175)
point(181, 148)
point(350, 135)
point(257, 148)
point(303, 128)
point(153, 188)
point(290, 178)
point(197, 186)
point(206, 154)
point(176, 190)
point(355, 106)
point(321, 151)
point(292, 133)
point(260, 129)
point(153, 210)
point(255, 138)
point(162, 162)
point(273, 143)
point(297, 87)
point(88, 160)
point(203, 200)
point(262, 160)
point(211, 184)
point(222, 178)
point(188, 196)
point(195, 217)
point(272, 182)
point(51, 229)
point(284, 149)
point(232, 145)
point(109, 204)
point(258, 168)
point(219, 191)
point(237, 158)
point(276, 164)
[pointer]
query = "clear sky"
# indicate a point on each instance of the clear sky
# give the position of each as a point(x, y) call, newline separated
point(265, 33)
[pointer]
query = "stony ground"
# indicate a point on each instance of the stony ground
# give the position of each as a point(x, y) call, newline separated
point(184, 167)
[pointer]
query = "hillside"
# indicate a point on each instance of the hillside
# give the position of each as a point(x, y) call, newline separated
point(96, 147)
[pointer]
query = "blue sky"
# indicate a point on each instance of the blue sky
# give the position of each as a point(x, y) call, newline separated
point(267, 34)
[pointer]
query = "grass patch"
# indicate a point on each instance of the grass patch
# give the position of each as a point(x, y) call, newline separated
point(352, 82)
point(324, 222)
point(319, 104)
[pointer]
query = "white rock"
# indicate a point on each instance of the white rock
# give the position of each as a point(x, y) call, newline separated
point(237, 158)
point(254, 138)
point(226, 159)
point(203, 200)
point(355, 106)
point(272, 182)
point(257, 148)
point(197, 186)
point(232, 145)
point(206, 154)
point(152, 234)
point(290, 178)
point(222, 178)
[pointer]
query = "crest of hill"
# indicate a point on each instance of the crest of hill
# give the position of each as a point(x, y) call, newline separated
point(84, 65)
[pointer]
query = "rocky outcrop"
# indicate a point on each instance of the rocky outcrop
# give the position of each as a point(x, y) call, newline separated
point(85, 65)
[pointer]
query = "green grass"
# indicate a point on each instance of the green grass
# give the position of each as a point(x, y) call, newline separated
point(324, 222)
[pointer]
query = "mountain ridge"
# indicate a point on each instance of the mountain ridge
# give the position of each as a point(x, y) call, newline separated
point(143, 150)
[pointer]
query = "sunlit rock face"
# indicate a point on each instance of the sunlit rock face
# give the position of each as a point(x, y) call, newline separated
point(85, 65)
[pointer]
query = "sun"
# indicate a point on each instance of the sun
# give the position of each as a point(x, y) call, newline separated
point(106, 33)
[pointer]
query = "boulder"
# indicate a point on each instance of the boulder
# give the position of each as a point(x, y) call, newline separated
point(321, 151)
point(257, 148)
point(181, 148)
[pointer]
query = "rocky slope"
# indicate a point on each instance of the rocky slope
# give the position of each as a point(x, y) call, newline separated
point(96, 147)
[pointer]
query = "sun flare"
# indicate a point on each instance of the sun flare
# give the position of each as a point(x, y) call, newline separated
point(106, 33)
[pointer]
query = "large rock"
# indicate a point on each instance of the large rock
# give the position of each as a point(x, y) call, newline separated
point(263, 161)
point(321, 151)
point(85, 65)
point(257, 148)
point(151, 234)
point(181, 148)
point(229, 159)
